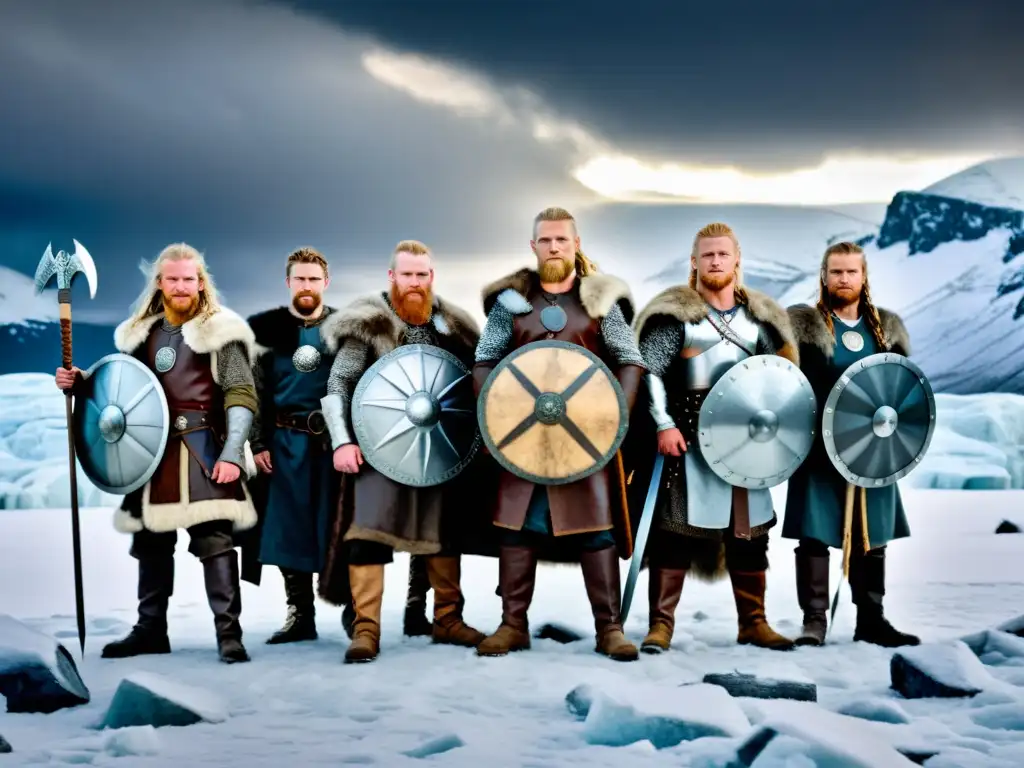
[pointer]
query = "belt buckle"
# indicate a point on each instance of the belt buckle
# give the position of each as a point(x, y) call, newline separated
point(316, 422)
point(181, 423)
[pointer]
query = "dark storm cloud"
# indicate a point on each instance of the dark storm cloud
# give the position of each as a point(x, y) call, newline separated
point(245, 129)
point(767, 85)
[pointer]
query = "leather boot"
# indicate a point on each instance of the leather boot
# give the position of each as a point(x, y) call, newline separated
point(664, 590)
point(748, 590)
point(415, 623)
point(224, 593)
point(812, 594)
point(601, 577)
point(300, 623)
point(348, 619)
point(367, 597)
point(867, 585)
point(517, 574)
point(445, 577)
point(149, 635)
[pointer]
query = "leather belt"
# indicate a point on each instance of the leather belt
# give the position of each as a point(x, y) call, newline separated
point(312, 422)
point(189, 421)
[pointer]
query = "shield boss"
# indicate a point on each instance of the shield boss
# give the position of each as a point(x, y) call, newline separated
point(552, 412)
point(121, 424)
point(879, 420)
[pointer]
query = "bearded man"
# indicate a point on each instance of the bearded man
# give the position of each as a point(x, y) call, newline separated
point(376, 514)
point(577, 519)
point(690, 336)
point(200, 352)
point(842, 328)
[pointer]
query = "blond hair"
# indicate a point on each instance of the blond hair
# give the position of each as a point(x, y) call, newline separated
point(584, 266)
point(718, 229)
point(866, 308)
point(150, 302)
point(415, 247)
point(305, 255)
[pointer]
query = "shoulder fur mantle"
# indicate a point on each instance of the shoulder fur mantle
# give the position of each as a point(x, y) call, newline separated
point(598, 292)
point(203, 335)
point(810, 329)
point(372, 320)
point(687, 306)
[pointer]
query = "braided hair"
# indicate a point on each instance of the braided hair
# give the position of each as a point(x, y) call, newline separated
point(866, 307)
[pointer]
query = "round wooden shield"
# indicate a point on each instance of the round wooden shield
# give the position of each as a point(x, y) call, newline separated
point(552, 412)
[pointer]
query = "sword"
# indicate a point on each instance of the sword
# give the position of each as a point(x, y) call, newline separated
point(643, 530)
point(66, 268)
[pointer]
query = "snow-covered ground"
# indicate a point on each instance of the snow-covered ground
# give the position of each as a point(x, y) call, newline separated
point(299, 705)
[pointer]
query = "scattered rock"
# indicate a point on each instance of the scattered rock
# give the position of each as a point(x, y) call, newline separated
point(436, 746)
point(1013, 626)
point(663, 716)
point(5, 746)
point(739, 684)
point(37, 674)
point(1007, 527)
point(938, 670)
point(875, 710)
point(994, 647)
point(557, 632)
point(580, 699)
point(147, 699)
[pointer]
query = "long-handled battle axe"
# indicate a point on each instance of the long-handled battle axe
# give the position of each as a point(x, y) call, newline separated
point(66, 268)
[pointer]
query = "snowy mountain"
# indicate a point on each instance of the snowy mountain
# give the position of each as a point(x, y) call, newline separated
point(996, 182)
point(953, 270)
point(30, 329)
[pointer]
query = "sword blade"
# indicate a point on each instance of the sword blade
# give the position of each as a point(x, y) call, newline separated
point(643, 529)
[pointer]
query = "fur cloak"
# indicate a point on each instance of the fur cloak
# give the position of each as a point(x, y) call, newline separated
point(203, 335)
point(372, 320)
point(598, 293)
point(812, 333)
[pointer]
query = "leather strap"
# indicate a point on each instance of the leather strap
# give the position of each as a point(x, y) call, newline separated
point(726, 332)
point(740, 513)
point(312, 422)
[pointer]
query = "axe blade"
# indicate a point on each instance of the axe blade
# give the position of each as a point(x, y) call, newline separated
point(46, 269)
point(86, 266)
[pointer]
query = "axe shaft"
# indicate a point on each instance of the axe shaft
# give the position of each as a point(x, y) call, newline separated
point(64, 299)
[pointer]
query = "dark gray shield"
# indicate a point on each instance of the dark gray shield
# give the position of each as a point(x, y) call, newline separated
point(756, 425)
point(121, 423)
point(879, 420)
point(414, 415)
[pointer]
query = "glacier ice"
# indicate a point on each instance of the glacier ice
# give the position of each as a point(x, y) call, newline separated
point(147, 699)
point(37, 674)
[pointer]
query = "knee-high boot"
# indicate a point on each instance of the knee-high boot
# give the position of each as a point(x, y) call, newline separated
point(224, 592)
point(812, 594)
point(300, 623)
point(415, 623)
point(445, 575)
point(664, 590)
point(867, 585)
point(367, 598)
point(149, 635)
point(517, 574)
point(601, 576)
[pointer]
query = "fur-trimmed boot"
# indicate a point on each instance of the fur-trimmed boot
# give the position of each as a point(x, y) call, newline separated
point(300, 623)
point(149, 635)
point(812, 594)
point(517, 572)
point(445, 575)
point(601, 577)
point(224, 592)
point(416, 623)
point(664, 590)
point(748, 590)
point(867, 585)
point(367, 597)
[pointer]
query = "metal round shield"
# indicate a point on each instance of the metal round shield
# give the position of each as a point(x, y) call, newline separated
point(756, 425)
point(552, 412)
point(879, 420)
point(121, 423)
point(413, 415)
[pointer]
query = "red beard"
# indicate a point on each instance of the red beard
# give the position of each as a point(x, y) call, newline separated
point(717, 281)
point(843, 297)
point(555, 271)
point(303, 308)
point(178, 315)
point(414, 306)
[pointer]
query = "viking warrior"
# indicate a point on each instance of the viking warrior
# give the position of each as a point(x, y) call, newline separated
point(563, 299)
point(376, 514)
point(842, 328)
point(201, 353)
point(690, 336)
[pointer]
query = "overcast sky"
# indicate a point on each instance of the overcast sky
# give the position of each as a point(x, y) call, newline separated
point(249, 128)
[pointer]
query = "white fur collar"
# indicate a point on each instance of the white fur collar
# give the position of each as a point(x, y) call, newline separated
point(202, 335)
